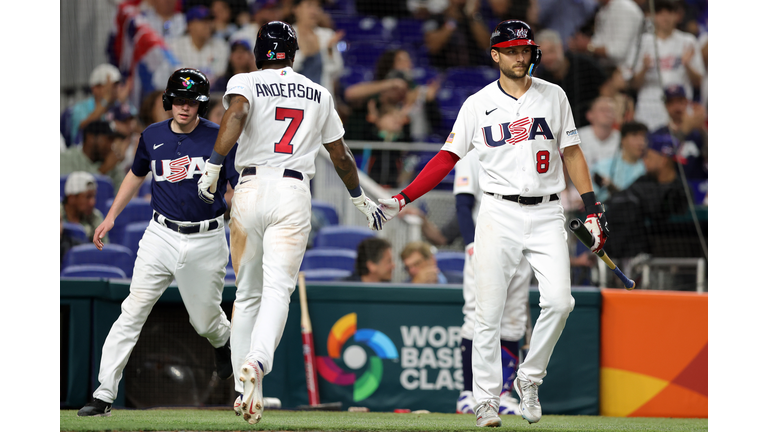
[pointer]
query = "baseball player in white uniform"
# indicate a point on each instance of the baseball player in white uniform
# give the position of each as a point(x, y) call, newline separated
point(280, 118)
point(466, 188)
point(518, 125)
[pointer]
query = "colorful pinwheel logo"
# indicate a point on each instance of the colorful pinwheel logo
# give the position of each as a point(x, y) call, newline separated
point(355, 356)
point(187, 82)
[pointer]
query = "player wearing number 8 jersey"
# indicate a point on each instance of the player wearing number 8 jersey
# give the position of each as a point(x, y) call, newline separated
point(518, 125)
point(279, 118)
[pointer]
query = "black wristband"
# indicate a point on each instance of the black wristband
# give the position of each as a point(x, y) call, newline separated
point(591, 206)
point(407, 200)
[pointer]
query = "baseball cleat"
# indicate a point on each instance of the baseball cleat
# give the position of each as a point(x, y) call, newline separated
point(253, 403)
point(487, 414)
point(238, 406)
point(508, 405)
point(223, 361)
point(96, 408)
point(530, 408)
point(466, 403)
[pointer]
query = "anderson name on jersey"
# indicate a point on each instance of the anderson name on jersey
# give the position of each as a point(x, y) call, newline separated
point(516, 139)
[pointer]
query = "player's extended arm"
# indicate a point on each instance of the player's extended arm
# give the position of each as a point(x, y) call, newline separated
point(344, 163)
point(127, 191)
point(232, 125)
point(579, 173)
point(429, 177)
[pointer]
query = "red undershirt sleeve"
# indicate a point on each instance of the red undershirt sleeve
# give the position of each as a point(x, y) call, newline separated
point(429, 177)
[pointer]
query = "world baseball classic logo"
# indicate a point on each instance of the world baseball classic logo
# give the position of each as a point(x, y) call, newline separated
point(355, 357)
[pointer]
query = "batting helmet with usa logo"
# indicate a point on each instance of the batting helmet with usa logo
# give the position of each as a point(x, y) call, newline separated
point(511, 33)
point(189, 84)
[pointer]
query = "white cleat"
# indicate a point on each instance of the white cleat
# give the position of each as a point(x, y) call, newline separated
point(508, 405)
point(253, 404)
point(530, 408)
point(238, 406)
point(487, 414)
point(466, 403)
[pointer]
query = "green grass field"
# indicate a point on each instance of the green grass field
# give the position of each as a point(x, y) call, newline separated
point(283, 420)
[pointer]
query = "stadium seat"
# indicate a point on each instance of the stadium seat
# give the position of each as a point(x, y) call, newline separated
point(365, 28)
point(338, 258)
point(355, 74)
point(64, 126)
point(328, 210)
point(132, 234)
point(112, 254)
point(450, 261)
point(408, 31)
point(93, 270)
point(364, 53)
point(137, 210)
point(76, 230)
point(471, 79)
point(341, 236)
point(325, 274)
point(454, 276)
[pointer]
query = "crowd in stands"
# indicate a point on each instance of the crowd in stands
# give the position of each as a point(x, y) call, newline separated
point(399, 71)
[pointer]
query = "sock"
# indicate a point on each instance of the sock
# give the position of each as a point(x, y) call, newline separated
point(466, 363)
point(509, 361)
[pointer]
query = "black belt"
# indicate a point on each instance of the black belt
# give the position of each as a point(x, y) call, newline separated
point(186, 228)
point(286, 173)
point(526, 200)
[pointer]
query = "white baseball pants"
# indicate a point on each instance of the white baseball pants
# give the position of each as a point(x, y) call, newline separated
point(198, 263)
point(506, 232)
point(270, 228)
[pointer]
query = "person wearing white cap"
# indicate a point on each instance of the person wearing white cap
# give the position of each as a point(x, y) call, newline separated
point(79, 205)
point(107, 90)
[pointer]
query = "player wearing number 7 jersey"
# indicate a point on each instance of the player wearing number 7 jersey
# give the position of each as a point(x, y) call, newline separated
point(279, 118)
point(518, 125)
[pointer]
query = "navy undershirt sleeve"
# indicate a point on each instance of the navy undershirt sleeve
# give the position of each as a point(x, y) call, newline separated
point(464, 205)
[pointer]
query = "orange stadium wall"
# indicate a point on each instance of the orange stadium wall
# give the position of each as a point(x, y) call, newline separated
point(653, 355)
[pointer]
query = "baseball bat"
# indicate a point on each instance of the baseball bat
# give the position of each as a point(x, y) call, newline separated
point(307, 345)
point(582, 233)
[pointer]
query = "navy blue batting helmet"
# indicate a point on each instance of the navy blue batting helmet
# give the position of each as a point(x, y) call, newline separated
point(276, 40)
point(189, 84)
point(511, 33)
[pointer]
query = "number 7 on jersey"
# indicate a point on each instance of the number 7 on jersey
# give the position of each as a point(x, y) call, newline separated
point(296, 116)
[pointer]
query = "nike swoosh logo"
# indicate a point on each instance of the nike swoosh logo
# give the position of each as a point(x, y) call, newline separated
point(154, 147)
point(488, 112)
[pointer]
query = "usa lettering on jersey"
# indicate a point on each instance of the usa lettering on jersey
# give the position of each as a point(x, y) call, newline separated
point(515, 132)
point(179, 169)
point(288, 90)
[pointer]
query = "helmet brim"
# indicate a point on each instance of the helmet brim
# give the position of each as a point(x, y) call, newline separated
point(514, 42)
point(187, 95)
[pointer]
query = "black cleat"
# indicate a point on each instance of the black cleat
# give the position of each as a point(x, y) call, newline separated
point(96, 408)
point(223, 361)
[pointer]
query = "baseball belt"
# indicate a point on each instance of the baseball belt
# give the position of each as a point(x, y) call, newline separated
point(524, 200)
point(286, 173)
point(190, 228)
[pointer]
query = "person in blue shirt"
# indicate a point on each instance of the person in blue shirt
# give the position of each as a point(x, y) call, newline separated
point(616, 173)
point(185, 240)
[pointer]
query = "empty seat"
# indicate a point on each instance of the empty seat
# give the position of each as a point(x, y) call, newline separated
point(112, 254)
point(470, 78)
point(76, 230)
point(93, 270)
point(364, 53)
point(341, 236)
point(449, 261)
point(328, 211)
point(409, 31)
point(338, 258)
point(357, 28)
point(354, 75)
point(132, 234)
point(137, 210)
point(326, 274)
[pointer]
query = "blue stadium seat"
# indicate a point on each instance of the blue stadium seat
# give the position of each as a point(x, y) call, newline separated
point(325, 275)
point(328, 210)
point(355, 74)
point(132, 234)
point(137, 210)
point(450, 261)
point(338, 258)
point(449, 101)
point(422, 75)
point(94, 271)
point(362, 28)
point(76, 230)
point(64, 126)
point(471, 79)
point(341, 236)
point(112, 254)
point(364, 53)
point(409, 31)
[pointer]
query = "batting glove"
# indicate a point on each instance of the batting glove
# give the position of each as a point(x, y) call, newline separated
point(370, 210)
point(596, 222)
point(390, 207)
point(206, 186)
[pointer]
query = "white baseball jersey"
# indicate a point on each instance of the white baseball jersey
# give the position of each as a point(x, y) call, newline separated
point(282, 129)
point(516, 139)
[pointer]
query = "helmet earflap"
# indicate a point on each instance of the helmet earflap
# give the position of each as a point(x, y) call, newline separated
point(535, 60)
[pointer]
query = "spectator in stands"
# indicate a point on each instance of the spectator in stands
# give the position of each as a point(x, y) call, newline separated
point(600, 138)
point(215, 110)
point(152, 110)
point(164, 17)
point(223, 26)
point(198, 49)
point(318, 58)
point(241, 60)
point(578, 75)
point(261, 12)
point(495, 11)
point(616, 172)
point(616, 88)
point(687, 128)
point(423, 9)
point(646, 203)
point(618, 25)
point(564, 17)
point(108, 91)
point(680, 63)
point(458, 37)
point(101, 152)
point(66, 240)
point(79, 205)
point(374, 261)
point(419, 260)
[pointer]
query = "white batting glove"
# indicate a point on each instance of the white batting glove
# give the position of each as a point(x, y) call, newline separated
point(370, 210)
point(390, 207)
point(206, 186)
